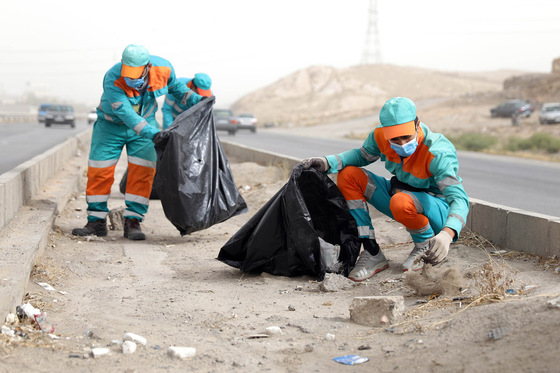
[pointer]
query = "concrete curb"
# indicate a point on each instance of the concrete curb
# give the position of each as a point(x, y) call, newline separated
point(33, 194)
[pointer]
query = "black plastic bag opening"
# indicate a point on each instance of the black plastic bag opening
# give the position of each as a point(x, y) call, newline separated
point(283, 237)
point(193, 178)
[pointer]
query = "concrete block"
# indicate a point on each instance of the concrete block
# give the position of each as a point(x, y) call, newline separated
point(13, 182)
point(376, 310)
point(490, 221)
point(530, 232)
point(554, 238)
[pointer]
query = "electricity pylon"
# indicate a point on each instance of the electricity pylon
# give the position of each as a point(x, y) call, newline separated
point(372, 49)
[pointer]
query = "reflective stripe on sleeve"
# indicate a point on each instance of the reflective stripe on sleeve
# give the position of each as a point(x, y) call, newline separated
point(140, 126)
point(368, 157)
point(448, 181)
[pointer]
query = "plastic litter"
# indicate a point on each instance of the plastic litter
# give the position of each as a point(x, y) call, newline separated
point(46, 286)
point(497, 333)
point(329, 256)
point(351, 359)
point(193, 178)
point(273, 330)
point(41, 320)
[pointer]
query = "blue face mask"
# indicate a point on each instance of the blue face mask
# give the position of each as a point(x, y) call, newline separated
point(407, 149)
point(134, 83)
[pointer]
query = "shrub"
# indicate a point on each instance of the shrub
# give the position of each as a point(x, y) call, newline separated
point(473, 141)
point(538, 141)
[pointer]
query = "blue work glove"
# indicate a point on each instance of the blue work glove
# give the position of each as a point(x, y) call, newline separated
point(318, 163)
point(148, 132)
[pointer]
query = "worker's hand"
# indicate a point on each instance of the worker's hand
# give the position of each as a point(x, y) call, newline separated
point(156, 138)
point(318, 163)
point(439, 247)
point(148, 132)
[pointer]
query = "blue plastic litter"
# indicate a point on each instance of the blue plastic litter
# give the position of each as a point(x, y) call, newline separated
point(351, 359)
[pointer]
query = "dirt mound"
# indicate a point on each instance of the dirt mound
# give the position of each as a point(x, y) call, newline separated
point(322, 94)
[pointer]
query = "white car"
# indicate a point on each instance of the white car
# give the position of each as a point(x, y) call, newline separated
point(92, 116)
point(247, 121)
point(550, 113)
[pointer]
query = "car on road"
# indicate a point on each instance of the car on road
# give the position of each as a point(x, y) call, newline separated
point(225, 121)
point(60, 114)
point(42, 113)
point(512, 108)
point(549, 113)
point(92, 116)
point(247, 121)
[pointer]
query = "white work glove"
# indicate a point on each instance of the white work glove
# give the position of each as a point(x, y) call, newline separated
point(439, 247)
point(318, 163)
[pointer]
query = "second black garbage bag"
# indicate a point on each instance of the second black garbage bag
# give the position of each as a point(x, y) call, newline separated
point(285, 237)
point(193, 179)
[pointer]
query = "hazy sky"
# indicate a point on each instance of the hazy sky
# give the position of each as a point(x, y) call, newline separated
point(67, 46)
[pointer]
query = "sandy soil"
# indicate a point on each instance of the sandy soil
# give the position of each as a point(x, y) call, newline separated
point(172, 291)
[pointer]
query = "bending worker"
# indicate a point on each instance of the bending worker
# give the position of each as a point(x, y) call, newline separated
point(200, 84)
point(425, 194)
point(126, 116)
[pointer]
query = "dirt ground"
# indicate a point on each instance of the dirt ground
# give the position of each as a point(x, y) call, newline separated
point(172, 291)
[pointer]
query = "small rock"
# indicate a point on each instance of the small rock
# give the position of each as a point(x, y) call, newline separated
point(128, 347)
point(100, 351)
point(135, 338)
point(291, 308)
point(330, 337)
point(554, 303)
point(11, 318)
point(273, 330)
point(181, 352)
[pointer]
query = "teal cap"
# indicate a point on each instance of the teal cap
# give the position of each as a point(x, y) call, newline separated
point(135, 55)
point(397, 117)
point(202, 81)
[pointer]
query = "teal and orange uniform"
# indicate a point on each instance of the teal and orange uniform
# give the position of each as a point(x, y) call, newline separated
point(428, 196)
point(126, 116)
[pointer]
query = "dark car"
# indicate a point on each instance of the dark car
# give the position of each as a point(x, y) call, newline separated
point(511, 108)
point(60, 114)
point(247, 121)
point(225, 121)
point(42, 113)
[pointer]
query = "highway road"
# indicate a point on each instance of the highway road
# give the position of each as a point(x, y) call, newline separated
point(514, 182)
point(510, 181)
point(19, 142)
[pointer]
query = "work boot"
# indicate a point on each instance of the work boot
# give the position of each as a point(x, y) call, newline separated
point(132, 229)
point(96, 227)
point(414, 261)
point(367, 265)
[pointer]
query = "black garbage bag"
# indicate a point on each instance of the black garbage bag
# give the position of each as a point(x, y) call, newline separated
point(283, 237)
point(122, 186)
point(193, 178)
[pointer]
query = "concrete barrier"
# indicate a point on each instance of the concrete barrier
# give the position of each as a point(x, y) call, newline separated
point(503, 226)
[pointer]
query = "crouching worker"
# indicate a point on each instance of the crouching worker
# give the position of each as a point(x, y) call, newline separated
point(126, 116)
point(425, 194)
